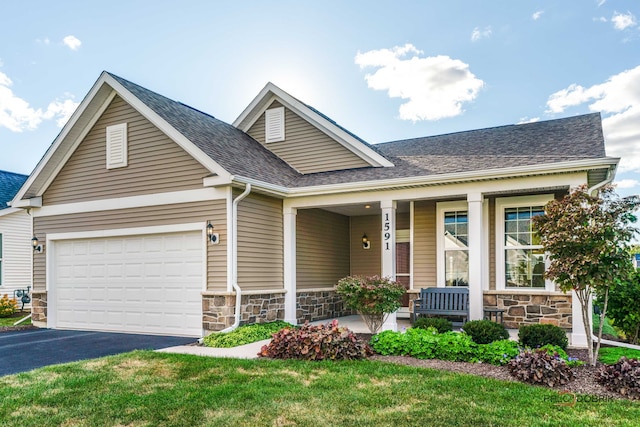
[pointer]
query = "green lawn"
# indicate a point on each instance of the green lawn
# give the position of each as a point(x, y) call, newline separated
point(611, 355)
point(9, 321)
point(157, 389)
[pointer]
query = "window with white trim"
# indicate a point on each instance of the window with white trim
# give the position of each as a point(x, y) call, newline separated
point(520, 259)
point(117, 146)
point(453, 244)
point(274, 124)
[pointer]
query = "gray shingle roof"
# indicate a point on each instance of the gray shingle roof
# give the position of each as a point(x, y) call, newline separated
point(10, 183)
point(538, 143)
point(234, 150)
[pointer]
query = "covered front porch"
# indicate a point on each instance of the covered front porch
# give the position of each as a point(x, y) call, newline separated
point(426, 237)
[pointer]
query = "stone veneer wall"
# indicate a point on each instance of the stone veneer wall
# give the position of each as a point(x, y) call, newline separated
point(525, 309)
point(218, 311)
point(39, 306)
point(320, 305)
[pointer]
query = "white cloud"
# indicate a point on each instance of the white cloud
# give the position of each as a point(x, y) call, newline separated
point(619, 100)
point(601, 2)
point(435, 87)
point(17, 116)
point(622, 21)
point(537, 14)
point(72, 42)
point(478, 34)
point(525, 120)
point(627, 183)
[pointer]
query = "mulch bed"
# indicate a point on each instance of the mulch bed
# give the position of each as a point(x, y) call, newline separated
point(584, 381)
point(17, 316)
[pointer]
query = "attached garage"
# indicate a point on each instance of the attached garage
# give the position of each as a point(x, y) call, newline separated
point(149, 283)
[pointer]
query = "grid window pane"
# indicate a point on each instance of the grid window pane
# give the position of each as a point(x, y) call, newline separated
point(456, 268)
point(525, 268)
point(455, 230)
point(518, 226)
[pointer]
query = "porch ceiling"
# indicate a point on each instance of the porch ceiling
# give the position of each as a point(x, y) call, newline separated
point(361, 209)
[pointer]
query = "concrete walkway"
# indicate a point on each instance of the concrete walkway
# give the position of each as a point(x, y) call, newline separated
point(250, 351)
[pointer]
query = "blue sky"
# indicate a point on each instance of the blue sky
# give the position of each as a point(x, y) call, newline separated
point(384, 70)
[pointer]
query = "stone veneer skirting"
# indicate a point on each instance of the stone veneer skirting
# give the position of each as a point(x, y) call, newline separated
point(218, 311)
point(527, 309)
point(320, 305)
point(39, 306)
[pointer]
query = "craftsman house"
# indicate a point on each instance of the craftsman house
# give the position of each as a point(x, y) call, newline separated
point(155, 217)
point(15, 236)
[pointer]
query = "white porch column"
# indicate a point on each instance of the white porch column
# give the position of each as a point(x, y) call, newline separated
point(476, 245)
point(578, 337)
point(290, 300)
point(388, 240)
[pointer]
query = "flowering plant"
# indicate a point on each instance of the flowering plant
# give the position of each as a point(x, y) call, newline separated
point(373, 297)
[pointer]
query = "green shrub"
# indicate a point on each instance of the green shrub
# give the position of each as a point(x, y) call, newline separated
point(441, 324)
point(622, 377)
point(496, 352)
point(373, 297)
point(424, 344)
point(541, 334)
point(321, 342)
point(623, 306)
point(485, 331)
point(539, 367)
point(8, 306)
point(244, 334)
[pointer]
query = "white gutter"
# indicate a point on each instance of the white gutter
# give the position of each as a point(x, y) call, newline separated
point(383, 184)
point(234, 256)
point(610, 176)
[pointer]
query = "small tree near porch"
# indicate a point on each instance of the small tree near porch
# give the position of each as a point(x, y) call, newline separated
point(373, 297)
point(588, 239)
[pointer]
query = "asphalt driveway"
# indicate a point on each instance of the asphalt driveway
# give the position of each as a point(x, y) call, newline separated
point(22, 351)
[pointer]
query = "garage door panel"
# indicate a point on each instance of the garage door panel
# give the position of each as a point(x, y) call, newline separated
point(147, 284)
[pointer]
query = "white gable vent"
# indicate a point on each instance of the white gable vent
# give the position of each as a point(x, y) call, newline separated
point(274, 124)
point(117, 146)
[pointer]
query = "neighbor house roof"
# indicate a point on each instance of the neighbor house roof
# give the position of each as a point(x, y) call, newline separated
point(10, 183)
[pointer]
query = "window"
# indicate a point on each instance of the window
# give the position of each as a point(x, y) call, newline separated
point(274, 124)
point(520, 256)
point(453, 244)
point(117, 146)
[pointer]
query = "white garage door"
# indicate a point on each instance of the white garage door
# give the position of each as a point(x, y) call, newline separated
point(144, 284)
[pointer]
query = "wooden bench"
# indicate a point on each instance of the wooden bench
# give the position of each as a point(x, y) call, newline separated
point(451, 301)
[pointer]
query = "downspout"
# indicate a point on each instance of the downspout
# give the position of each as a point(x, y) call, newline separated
point(234, 256)
point(610, 176)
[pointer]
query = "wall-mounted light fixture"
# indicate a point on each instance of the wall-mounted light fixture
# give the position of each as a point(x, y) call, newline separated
point(214, 238)
point(366, 243)
point(35, 244)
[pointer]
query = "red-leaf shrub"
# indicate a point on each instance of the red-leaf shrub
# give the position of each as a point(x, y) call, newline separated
point(540, 367)
point(321, 342)
point(622, 377)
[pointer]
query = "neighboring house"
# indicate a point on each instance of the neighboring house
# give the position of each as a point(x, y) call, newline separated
point(15, 239)
point(123, 200)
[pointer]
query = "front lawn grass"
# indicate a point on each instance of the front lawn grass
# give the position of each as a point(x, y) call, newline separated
point(9, 321)
point(610, 355)
point(145, 388)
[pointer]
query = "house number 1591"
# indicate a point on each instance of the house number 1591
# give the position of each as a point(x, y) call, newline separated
point(386, 228)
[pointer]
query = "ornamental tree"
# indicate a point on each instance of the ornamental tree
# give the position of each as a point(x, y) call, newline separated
point(373, 297)
point(588, 239)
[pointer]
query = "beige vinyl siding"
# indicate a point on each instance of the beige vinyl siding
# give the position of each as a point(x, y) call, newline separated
point(367, 262)
point(15, 229)
point(214, 211)
point(322, 250)
point(424, 247)
point(305, 147)
point(260, 243)
point(156, 164)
